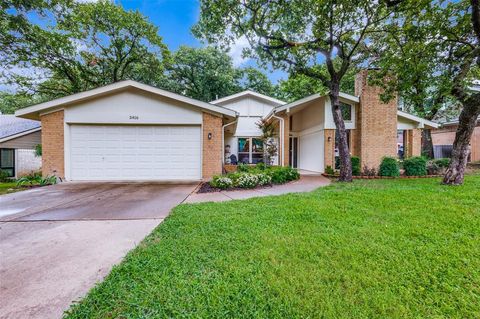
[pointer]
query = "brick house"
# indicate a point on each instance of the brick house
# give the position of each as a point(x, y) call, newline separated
point(444, 136)
point(132, 131)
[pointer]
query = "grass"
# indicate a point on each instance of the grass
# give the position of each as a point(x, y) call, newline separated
point(9, 187)
point(370, 249)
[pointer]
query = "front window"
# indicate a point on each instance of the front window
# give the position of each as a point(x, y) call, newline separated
point(346, 111)
point(250, 150)
point(7, 161)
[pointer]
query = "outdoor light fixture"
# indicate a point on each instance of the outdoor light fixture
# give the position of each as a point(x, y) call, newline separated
point(329, 138)
point(209, 136)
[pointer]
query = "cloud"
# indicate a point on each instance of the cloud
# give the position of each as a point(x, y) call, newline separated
point(236, 51)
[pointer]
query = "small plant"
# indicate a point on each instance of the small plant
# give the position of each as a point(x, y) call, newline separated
point(261, 166)
point(329, 170)
point(355, 165)
point(221, 182)
point(248, 180)
point(369, 171)
point(415, 166)
point(442, 162)
point(242, 167)
point(389, 167)
point(36, 179)
point(38, 150)
point(264, 179)
point(4, 176)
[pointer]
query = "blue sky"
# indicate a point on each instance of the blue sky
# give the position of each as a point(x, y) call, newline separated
point(175, 18)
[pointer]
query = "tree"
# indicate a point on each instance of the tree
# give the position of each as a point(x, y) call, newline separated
point(440, 53)
point(88, 45)
point(253, 79)
point(297, 36)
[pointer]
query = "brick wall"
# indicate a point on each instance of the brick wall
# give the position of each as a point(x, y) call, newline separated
point(446, 136)
point(212, 148)
point(329, 146)
point(52, 144)
point(414, 142)
point(286, 140)
point(376, 125)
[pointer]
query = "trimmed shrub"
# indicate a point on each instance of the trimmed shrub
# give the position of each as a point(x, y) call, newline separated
point(247, 180)
point(355, 165)
point(329, 170)
point(282, 175)
point(442, 162)
point(415, 166)
point(389, 167)
point(264, 179)
point(222, 182)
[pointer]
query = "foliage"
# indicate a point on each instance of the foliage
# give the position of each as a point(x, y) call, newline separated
point(10, 102)
point(268, 139)
point(283, 174)
point(442, 162)
point(221, 182)
point(370, 249)
point(356, 170)
point(4, 176)
point(437, 166)
point(69, 47)
point(389, 167)
point(415, 166)
point(261, 166)
point(369, 171)
point(38, 150)
point(36, 179)
point(247, 180)
point(329, 170)
point(255, 80)
point(264, 179)
point(242, 167)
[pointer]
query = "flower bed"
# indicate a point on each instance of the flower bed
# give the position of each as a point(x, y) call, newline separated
point(249, 177)
point(383, 177)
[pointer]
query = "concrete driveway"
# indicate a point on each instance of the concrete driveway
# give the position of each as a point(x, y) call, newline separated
point(56, 242)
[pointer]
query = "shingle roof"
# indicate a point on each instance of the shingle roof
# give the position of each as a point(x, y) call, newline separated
point(11, 125)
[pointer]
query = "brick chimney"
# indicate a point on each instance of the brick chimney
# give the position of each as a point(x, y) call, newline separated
point(375, 135)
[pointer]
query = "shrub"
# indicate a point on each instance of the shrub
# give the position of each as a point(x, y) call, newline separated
point(264, 179)
point(222, 182)
point(36, 179)
point(415, 166)
point(369, 171)
point(433, 168)
point(442, 162)
point(389, 167)
point(242, 167)
point(282, 175)
point(261, 166)
point(248, 180)
point(355, 165)
point(4, 176)
point(329, 170)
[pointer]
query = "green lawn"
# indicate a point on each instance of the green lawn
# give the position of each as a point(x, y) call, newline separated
point(9, 187)
point(371, 249)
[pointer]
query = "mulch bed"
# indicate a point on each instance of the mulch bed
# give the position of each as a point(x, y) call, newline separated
point(205, 187)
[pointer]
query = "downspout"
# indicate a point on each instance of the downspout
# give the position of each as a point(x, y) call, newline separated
point(223, 141)
point(282, 137)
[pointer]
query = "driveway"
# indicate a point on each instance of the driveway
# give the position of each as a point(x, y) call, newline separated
point(56, 242)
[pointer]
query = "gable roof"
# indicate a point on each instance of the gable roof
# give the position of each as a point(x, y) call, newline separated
point(344, 96)
point(11, 127)
point(249, 93)
point(33, 112)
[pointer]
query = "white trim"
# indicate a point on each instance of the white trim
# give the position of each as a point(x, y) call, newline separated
point(310, 130)
point(31, 111)
point(248, 92)
point(421, 121)
point(66, 152)
point(11, 137)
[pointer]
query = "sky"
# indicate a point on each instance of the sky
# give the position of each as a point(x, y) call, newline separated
point(175, 18)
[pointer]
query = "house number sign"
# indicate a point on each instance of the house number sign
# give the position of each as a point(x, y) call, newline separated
point(134, 117)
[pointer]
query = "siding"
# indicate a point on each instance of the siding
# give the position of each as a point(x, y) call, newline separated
point(28, 141)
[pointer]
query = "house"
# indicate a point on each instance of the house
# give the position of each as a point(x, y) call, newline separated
point(443, 137)
point(132, 131)
point(18, 140)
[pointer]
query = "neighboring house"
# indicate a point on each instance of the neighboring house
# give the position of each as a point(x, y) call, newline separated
point(18, 139)
point(132, 131)
point(444, 136)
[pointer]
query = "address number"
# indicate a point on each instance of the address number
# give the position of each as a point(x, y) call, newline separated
point(134, 117)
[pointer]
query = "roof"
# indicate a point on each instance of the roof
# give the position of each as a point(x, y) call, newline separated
point(454, 122)
point(423, 122)
point(248, 93)
point(33, 112)
point(11, 127)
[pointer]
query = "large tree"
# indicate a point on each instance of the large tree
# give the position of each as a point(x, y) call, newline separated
point(72, 47)
point(299, 35)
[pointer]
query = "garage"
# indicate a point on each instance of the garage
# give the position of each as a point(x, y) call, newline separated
point(135, 152)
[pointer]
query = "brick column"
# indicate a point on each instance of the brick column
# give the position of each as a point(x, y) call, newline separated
point(329, 146)
point(53, 144)
point(211, 148)
point(414, 142)
point(286, 140)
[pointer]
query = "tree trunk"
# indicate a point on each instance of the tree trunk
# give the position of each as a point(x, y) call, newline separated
point(427, 143)
point(461, 148)
point(345, 161)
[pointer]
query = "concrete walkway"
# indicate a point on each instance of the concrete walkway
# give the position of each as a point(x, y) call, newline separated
point(306, 183)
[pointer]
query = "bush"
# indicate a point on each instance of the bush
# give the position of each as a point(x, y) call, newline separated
point(442, 162)
point(264, 179)
point(389, 167)
point(36, 179)
point(415, 166)
point(369, 171)
point(242, 167)
point(222, 182)
point(248, 180)
point(4, 176)
point(329, 170)
point(282, 175)
point(261, 166)
point(355, 165)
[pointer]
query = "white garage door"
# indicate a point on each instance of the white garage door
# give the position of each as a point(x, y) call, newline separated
point(110, 152)
point(311, 152)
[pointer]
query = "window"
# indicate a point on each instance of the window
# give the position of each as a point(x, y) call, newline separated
point(337, 152)
point(250, 150)
point(346, 111)
point(7, 161)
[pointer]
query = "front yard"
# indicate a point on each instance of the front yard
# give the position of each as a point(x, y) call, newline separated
point(9, 187)
point(370, 249)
